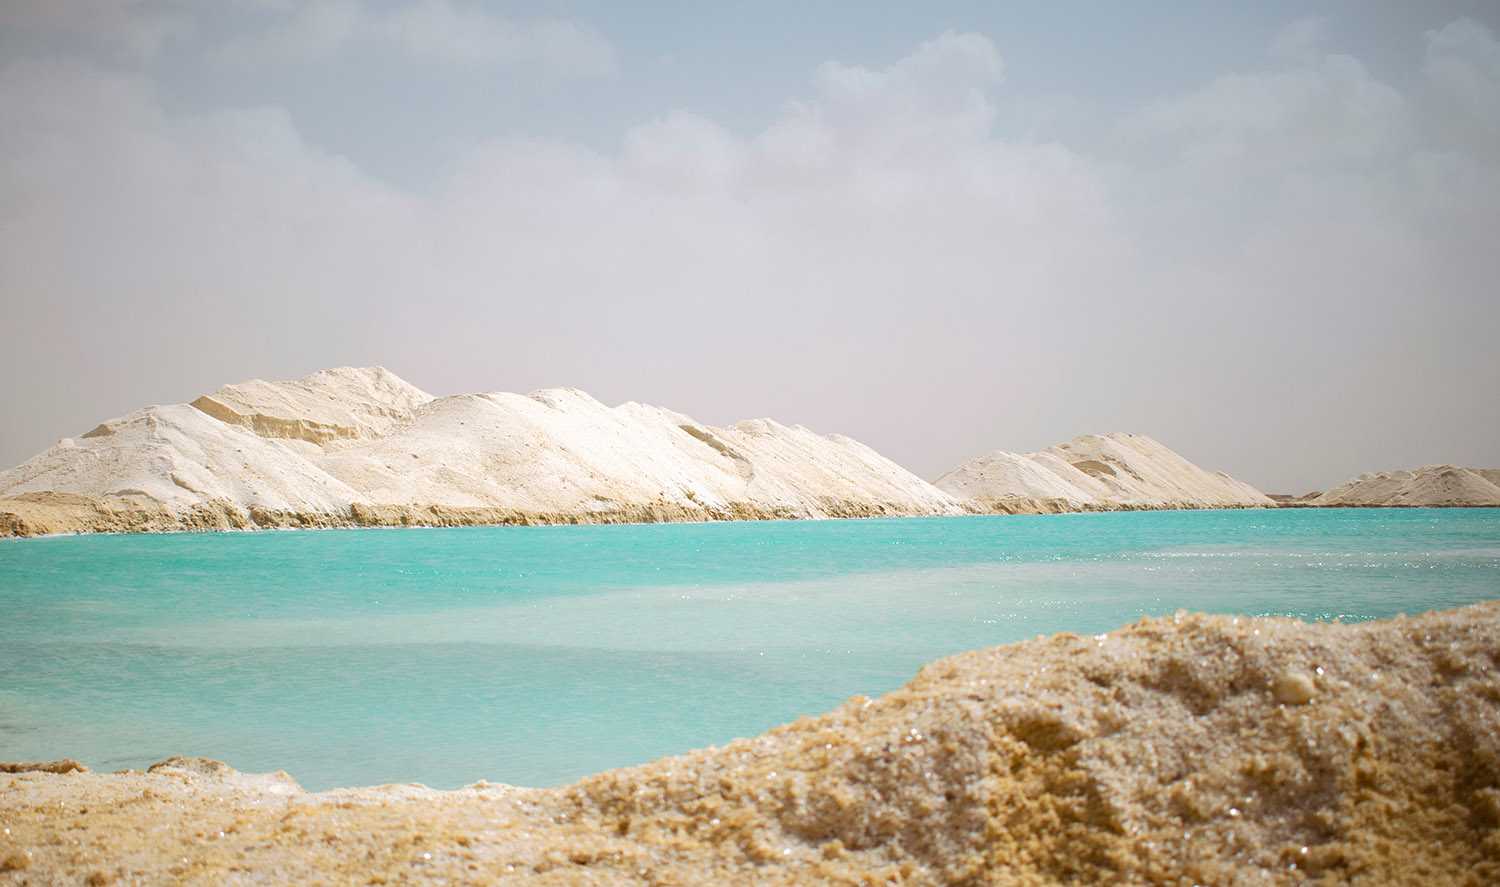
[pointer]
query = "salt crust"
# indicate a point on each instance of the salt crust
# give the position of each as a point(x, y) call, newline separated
point(1189, 750)
point(1096, 473)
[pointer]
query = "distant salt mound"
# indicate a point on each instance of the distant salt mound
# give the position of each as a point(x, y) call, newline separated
point(1093, 472)
point(1432, 486)
point(362, 447)
point(1016, 478)
point(1141, 472)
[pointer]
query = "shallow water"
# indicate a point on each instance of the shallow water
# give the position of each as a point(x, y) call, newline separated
point(535, 655)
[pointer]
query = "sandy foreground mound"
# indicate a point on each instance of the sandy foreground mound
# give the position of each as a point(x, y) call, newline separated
point(361, 447)
point(1095, 473)
point(1193, 750)
point(1434, 486)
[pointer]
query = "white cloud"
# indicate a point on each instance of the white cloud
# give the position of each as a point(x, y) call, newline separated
point(684, 149)
point(801, 139)
point(433, 32)
point(936, 95)
point(952, 66)
point(1328, 110)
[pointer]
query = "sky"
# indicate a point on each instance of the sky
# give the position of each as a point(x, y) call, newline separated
point(1263, 234)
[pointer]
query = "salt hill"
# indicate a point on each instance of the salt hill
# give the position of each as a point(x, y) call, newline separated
point(357, 447)
point(1435, 486)
point(362, 447)
point(1095, 473)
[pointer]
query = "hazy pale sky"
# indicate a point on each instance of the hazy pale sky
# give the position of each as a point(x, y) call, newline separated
point(1266, 234)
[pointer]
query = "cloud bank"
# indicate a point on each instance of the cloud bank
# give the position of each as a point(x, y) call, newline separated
point(1284, 273)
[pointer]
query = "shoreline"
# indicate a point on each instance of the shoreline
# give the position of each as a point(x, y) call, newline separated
point(98, 517)
point(53, 514)
point(81, 515)
point(1204, 747)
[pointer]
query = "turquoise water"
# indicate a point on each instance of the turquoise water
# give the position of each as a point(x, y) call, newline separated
point(535, 655)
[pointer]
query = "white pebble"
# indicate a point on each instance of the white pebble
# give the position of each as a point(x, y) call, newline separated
point(1294, 688)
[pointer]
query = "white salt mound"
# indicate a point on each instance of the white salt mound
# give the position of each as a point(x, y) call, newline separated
point(361, 446)
point(178, 456)
point(1096, 472)
point(1434, 486)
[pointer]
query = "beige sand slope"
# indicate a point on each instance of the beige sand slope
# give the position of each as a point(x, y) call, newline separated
point(339, 404)
point(1437, 486)
point(1196, 750)
point(1093, 472)
point(362, 447)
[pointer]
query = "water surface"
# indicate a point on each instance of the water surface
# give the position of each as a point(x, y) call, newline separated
point(535, 655)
